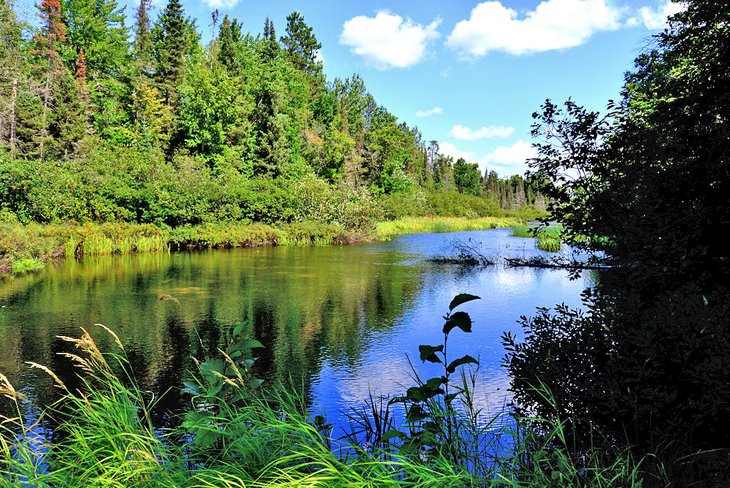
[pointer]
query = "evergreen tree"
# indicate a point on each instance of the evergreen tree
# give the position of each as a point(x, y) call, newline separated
point(49, 42)
point(301, 45)
point(11, 77)
point(143, 40)
point(467, 177)
point(228, 37)
point(271, 44)
point(97, 27)
point(170, 44)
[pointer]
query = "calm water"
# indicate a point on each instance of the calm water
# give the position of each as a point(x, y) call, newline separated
point(342, 318)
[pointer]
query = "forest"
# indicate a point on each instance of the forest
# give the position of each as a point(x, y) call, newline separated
point(103, 123)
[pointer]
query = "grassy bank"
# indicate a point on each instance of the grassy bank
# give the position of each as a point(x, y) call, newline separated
point(26, 248)
point(412, 225)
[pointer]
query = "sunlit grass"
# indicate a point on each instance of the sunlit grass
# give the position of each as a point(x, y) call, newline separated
point(412, 225)
point(547, 238)
point(24, 247)
point(26, 265)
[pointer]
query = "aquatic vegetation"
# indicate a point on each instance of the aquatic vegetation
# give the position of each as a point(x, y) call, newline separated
point(549, 244)
point(21, 266)
point(547, 237)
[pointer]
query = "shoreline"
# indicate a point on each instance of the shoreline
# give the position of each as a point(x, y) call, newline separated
point(28, 248)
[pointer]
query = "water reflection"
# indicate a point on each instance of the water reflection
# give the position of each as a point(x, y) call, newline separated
point(339, 318)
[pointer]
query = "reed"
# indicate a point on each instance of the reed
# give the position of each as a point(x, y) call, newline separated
point(547, 238)
point(548, 244)
point(97, 245)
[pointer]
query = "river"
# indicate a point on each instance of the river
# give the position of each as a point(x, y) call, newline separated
point(344, 320)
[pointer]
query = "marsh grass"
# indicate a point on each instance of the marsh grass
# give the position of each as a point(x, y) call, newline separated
point(21, 244)
point(547, 238)
point(549, 244)
point(412, 225)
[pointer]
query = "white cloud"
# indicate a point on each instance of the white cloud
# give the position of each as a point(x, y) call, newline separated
point(491, 132)
point(554, 24)
point(510, 160)
point(221, 3)
point(448, 149)
point(505, 160)
point(429, 112)
point(387, 40)
point(656, 19)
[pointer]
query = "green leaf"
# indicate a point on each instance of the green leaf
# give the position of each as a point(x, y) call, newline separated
point(238, 329)
point(415, 414)
point(194, 419)
point(252, 344)
point(424, 392)
point(460, 320)
point(428, 353)
point(209, 365)
point(434, 383)
point(459, 362)
point(450, 398)
point(392, 434)
point(461, 298)
point(190, 388)
point(206, 438)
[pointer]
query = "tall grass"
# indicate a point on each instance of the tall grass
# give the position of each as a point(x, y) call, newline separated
point(411, 225)
point(21, 245)
point(21, 266)
point(232, 437)
point(547, 238)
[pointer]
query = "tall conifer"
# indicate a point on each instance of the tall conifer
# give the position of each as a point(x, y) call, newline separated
point(170, 50)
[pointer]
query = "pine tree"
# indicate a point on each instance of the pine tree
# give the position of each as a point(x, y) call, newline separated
point(143, 40)
point(271, 44)
point(301, 44)
point(170, 43)
point(48, 44)
point(227, 39)
point(10, 75)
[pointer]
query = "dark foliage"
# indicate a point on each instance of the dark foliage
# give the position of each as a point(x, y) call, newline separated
point(646, 189)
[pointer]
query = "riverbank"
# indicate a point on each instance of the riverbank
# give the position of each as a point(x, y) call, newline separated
point(415, 225)
point(26, 248)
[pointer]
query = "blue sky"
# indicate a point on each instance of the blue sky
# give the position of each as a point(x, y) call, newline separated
point(469, 74)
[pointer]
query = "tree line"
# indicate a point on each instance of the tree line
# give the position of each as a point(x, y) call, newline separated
point(90, 106)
